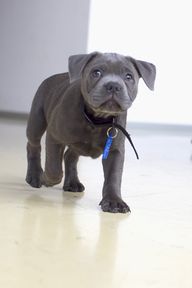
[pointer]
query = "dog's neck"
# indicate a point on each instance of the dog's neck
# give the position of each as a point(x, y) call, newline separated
point(110, 120)
point(95, 118)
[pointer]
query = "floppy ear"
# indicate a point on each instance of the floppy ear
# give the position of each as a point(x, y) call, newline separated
point(77, 63)
point(147, 71)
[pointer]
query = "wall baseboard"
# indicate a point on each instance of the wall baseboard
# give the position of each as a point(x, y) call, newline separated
point(133, 127)
point(9, 115)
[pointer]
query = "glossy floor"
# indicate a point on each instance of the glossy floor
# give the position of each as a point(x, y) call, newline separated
point(53, 239)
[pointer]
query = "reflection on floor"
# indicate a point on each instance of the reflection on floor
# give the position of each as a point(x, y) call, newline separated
point(53, 239)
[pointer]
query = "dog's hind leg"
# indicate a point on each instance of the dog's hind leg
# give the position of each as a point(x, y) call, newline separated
point(36, 127)
point(53, 165)
point(72, 182)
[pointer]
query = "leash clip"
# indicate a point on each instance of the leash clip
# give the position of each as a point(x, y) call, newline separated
point(109, 134)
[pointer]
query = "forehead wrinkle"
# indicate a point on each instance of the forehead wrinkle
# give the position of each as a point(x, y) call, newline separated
point(111, 63)
point(108, 58)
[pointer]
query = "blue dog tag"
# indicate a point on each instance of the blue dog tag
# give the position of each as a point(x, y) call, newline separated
point(107, 147)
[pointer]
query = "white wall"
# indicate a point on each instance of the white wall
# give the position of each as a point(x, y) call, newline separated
point(158, 32)
point(36, 37)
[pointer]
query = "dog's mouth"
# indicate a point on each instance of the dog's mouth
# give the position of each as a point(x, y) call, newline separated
point(108, 108)
point(111, 106)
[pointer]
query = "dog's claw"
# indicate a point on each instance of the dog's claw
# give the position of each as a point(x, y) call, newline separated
point(74, 187)
point(33, 180)
point(114, 206)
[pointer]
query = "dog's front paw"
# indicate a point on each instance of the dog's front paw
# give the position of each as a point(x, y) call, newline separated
point(33, 178)
point(114, 205)
point(73, 186)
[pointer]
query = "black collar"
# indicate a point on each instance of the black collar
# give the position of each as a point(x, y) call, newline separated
point(98, 121)
point(111, 120)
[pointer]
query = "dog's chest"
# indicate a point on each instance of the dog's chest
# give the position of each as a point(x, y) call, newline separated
point(91, 144)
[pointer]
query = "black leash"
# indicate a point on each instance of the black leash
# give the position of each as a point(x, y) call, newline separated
point(113, 121)
point(128, 137)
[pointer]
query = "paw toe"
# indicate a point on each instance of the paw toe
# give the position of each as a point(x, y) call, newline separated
point(74, 187)
point(34, 181)
point(114, 206)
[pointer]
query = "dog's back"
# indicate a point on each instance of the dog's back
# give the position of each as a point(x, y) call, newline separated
point(46, 97)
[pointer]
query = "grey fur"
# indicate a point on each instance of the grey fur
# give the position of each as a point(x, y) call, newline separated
point(106, 85)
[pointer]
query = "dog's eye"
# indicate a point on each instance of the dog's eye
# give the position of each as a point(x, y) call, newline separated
point(128, 76)
point(96, 73)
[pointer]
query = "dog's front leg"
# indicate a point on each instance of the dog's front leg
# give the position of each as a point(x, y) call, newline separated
point(113, 168)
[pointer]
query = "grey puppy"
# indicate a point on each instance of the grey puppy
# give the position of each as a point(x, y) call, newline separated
point(98, 88)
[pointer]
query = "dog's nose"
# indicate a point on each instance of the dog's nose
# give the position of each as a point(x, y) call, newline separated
point(113, 87)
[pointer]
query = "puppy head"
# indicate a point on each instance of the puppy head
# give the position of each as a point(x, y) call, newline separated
point(109, 81)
